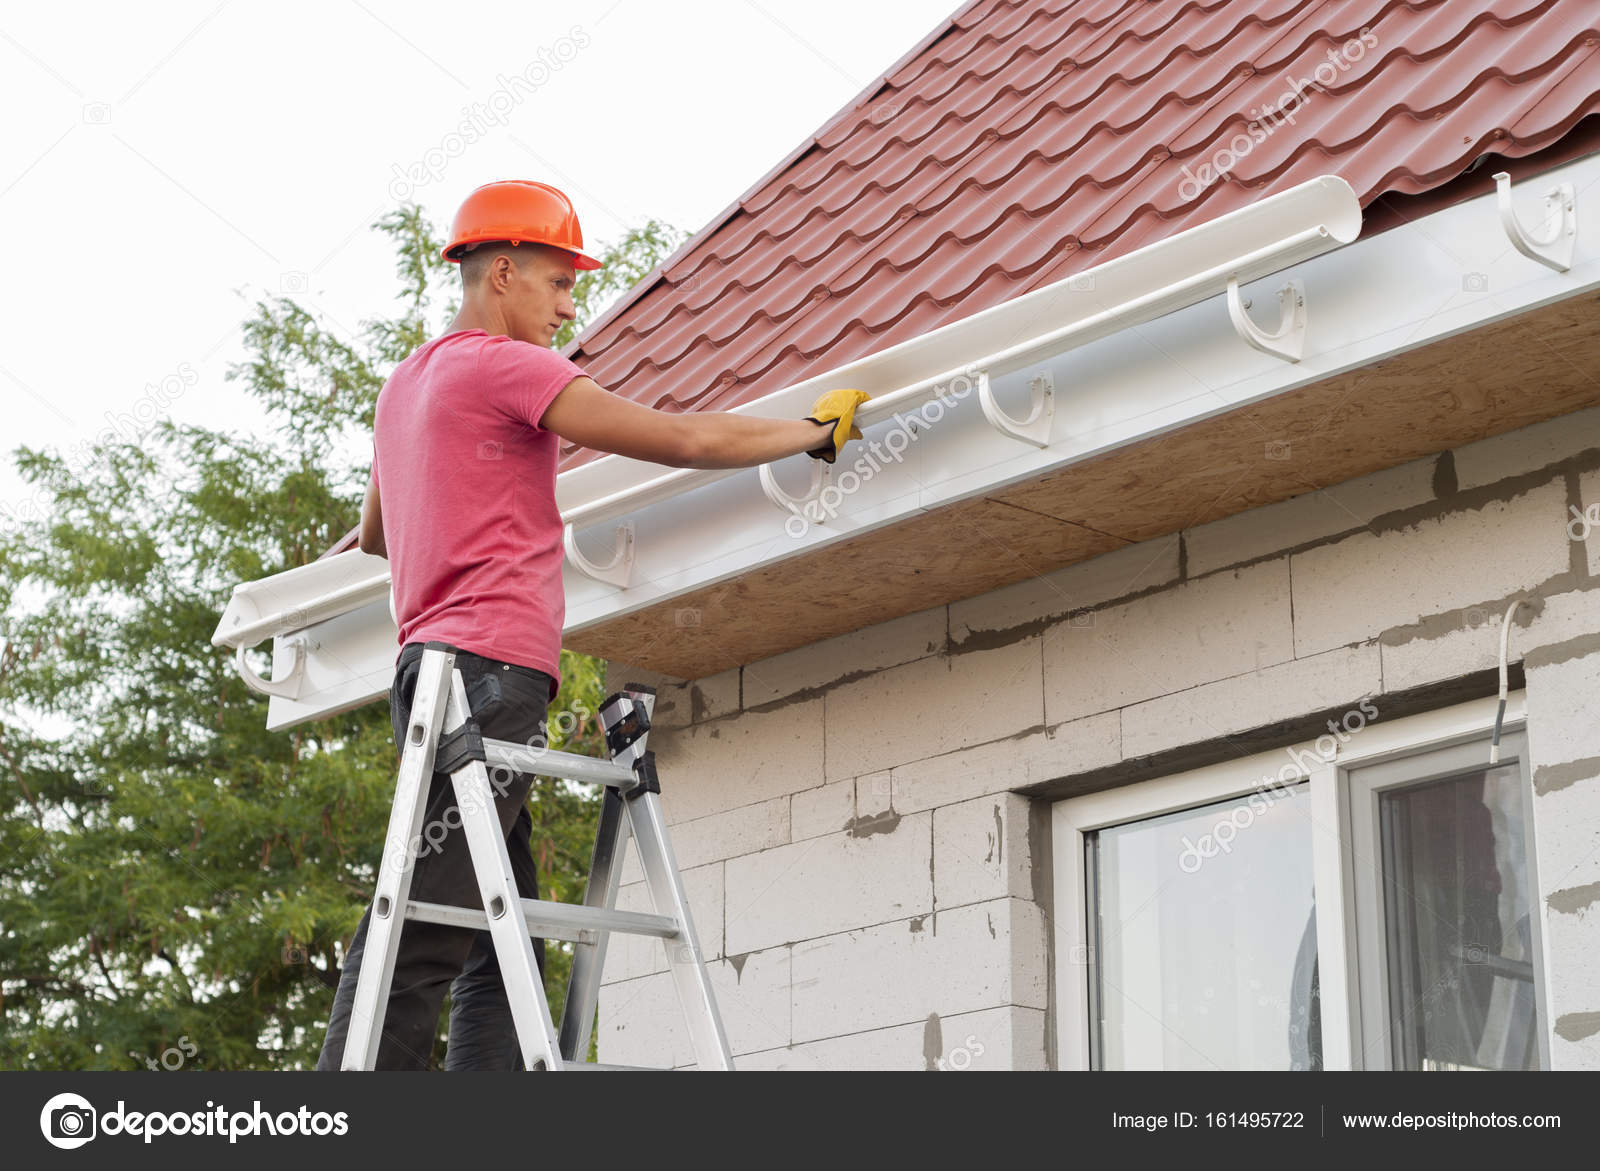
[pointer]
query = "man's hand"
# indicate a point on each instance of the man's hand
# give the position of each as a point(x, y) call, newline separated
point(839, 408)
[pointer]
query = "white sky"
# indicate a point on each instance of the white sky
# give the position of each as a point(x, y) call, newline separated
point(162, 166)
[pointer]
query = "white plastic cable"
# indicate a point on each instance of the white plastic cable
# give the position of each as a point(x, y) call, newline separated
point(1505, 648)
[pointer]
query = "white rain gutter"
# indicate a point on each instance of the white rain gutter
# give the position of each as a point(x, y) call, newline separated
point(1238, 247)
point(294, 600)
point(1124, 385)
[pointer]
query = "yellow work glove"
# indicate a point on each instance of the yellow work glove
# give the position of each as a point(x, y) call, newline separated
point(839, 408)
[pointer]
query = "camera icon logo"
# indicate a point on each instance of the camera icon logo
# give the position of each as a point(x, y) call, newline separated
point(68, 1121)
point(491, 449)
point(1583, 523)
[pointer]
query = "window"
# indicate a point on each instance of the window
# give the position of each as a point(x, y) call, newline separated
point(1446, 935)
point(1206, 960)
point(1366, 900)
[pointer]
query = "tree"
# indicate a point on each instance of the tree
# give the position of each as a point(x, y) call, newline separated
point(176, 883)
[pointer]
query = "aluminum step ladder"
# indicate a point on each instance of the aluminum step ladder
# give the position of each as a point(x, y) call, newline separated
point(442, 736)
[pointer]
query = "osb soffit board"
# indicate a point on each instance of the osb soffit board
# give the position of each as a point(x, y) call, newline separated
point(1488, 381)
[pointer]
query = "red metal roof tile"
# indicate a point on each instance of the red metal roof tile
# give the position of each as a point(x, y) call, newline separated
point(1025, 140)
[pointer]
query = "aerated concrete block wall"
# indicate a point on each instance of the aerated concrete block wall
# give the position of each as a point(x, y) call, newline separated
point(862, 860)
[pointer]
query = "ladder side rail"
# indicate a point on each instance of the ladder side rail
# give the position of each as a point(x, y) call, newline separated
point(684, 958)
point(508, 927)
point(389, 901)
point(625, 717)
point(588, 959)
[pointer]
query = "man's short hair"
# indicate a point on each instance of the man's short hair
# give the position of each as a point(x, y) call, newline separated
point(475, 261)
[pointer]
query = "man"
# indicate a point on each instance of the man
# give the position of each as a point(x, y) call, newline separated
point(462, 502)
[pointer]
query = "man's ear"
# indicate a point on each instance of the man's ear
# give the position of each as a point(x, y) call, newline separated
point(500, 272)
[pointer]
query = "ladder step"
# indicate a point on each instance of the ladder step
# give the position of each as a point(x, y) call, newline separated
point(576, 1066)
point(550, 763)
point(572, 922)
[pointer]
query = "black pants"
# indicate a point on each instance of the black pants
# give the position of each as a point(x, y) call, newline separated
point(432, 956)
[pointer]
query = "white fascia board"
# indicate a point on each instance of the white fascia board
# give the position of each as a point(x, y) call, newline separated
point(341, 663)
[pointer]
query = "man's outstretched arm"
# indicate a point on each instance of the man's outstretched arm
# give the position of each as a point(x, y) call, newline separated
point(593, 417)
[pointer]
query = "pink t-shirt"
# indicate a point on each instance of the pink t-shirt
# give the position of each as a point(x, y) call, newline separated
point(467, 486)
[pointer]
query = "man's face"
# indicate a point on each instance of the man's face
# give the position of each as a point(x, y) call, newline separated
point(538, 294)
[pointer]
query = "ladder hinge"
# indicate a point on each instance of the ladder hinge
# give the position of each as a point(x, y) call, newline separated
point(645, 769)
point(621, 735)
point(458, 747)
point(466, 742)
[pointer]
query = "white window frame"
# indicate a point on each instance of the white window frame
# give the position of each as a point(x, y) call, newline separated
point(1333, 871)
point(1364, 784)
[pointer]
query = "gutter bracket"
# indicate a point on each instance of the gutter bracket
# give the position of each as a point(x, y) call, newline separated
point(1553, 243)
point(1034, 429)
point(286, 688)
point(1287, 341)
point(618, 571)
point(821, 477)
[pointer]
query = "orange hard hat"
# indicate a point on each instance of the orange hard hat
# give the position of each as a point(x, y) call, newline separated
point(521, 211)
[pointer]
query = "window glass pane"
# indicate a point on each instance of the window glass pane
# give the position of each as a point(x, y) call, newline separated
point(1205, 938)
point(1456, 923)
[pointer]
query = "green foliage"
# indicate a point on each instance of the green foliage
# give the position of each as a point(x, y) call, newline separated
point(176, 883)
